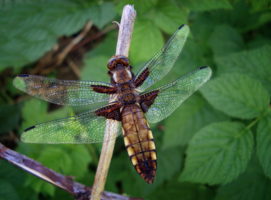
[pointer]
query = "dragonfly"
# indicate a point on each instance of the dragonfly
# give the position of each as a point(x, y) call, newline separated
point(129, 105)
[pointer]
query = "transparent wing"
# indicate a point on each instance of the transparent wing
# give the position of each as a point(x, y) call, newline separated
point(61, 92)
point(171, 95)
point(161, 63)
point(86, 127)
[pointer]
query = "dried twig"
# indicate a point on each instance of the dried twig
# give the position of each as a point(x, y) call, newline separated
point(74, 68)
point(52, 60)
point(94, 37)
point(125, 30)
point(75, 41)
point(123, 46)
point(79, 191)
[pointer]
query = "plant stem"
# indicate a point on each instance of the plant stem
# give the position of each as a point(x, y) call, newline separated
point(250, 125)
point(123, 45)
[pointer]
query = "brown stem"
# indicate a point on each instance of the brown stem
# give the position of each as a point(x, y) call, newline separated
point(94, 37)
point(79, 191)
point(123, 46)
point(74, 68)
point(51, 60)
point(75, 41)
point(125, 30)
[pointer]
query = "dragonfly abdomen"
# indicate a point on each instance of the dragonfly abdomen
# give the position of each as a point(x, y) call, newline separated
point(139, 143)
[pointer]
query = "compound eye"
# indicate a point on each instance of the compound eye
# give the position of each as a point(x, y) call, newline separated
point(125, 61)
point(111, 64)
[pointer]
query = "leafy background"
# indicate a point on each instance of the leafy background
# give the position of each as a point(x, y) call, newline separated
point(216, 145)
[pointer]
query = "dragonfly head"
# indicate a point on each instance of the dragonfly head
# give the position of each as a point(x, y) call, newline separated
point(120, 69)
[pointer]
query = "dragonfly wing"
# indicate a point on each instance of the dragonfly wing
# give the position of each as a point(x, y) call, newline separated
point(161, 63)
point(64, 92)
point(88, 127)
point(161, 102)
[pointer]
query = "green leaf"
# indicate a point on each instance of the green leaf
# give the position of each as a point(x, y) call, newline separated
point(192, 115)
point(168, 16)
point(240, 17)
point(80, 158)
point(57, 114)
point(27, 193)
point(95, 69)
point(141, 6)
point(33, 112)
point(202, 27)
point(102, 14)
point(237, 95)
point(257, 6)
point(9, 118)
point(218, 153)
point(170, 161)
point(40, 186)
point(258, 42)
point(264, 143)
point(187, 191)
point(202, 5)
point(7, 191)
point(190, 59)
point(264, 18)
point(254, 63)
point(147, 40)
point(119, 171)
point(55, 158)
point(30, 29)
point(225, 40)
point(61, 194)
point(12, 174)
point(107, 48)
point(251, 185)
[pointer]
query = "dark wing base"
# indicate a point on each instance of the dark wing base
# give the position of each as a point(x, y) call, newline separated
point(147, 99)
point(110, 112)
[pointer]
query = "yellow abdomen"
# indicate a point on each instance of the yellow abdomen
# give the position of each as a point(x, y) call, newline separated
point(139, 143)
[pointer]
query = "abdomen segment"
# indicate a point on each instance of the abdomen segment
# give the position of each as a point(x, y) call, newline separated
point(139, 143)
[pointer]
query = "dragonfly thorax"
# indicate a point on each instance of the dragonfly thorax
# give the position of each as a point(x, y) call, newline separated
point(122, 75)
point(127, 94)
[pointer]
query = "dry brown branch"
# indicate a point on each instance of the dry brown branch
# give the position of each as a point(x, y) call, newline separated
point(75, 41)
point(123, 46)
point(74, 68)
point(79, 191)
point(126, 30)
point(95, 36)
point(54, 60)
point(72, 46)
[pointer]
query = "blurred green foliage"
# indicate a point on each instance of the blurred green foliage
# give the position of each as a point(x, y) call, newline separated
point(216, 145)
